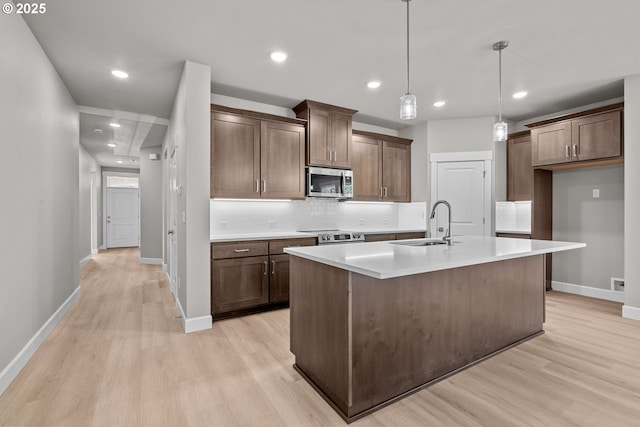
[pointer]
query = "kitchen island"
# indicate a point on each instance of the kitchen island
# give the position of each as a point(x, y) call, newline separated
point(373, 322)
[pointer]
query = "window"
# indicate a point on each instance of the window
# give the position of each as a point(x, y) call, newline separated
point(122, 181)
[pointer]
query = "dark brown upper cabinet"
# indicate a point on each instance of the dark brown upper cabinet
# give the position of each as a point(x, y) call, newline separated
point(256, 157)
point(519, 167)
point(588, 138)
point(381, 167)
point(329, 127)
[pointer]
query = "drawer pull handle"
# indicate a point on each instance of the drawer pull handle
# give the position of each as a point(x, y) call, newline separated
point(575, 150)
point(266, 268)
point(240, 250)
point(273, 267)
point(566, 151)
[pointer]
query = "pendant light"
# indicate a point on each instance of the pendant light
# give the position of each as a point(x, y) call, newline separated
point(500, 127)
point(408, 105)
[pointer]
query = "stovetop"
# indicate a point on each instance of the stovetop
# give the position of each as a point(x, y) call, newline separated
point(336, 236)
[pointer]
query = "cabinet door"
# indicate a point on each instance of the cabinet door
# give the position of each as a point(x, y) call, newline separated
point(282, 160)
point(319, 147)
point(551, 144)
point(367, 168)
point(519, 169)
point(235, 156)
point(396, 172)
point(279, 280)
point(596, 137)
point(239, 283)
point(341, 141)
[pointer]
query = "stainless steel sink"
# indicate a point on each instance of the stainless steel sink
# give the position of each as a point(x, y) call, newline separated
point(420, 242)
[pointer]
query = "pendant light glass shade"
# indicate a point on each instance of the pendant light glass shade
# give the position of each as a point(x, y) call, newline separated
point(408, 107)
point(500, 131)
point(500, 128)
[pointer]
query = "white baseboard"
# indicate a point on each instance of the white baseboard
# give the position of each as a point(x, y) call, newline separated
point(154, 261)
point(173, 291)
point(14, 367)
point(85, 260)
point(165, 268)
point(588, 291)
point(195, 323)
point(94, 251)
point(102, 247)
point(631, 312)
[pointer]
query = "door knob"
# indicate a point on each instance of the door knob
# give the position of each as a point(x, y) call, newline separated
point(170, 232)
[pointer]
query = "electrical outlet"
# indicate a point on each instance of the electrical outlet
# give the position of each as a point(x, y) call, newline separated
point(596, 193)
point(361, 221)
point(272, 223)
point(223, 225)
point(184, 217)
point(385, 221)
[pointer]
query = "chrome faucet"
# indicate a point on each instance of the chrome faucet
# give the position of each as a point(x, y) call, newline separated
point(447, 235)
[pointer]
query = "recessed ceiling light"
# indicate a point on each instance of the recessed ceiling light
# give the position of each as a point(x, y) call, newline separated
point(98, 131)
point(439, 104)
point(373, 84)
point(119, 161)
point(519, 95)
point(120, 74)
point(279, 56)
point(112, 145)
point(114, 124)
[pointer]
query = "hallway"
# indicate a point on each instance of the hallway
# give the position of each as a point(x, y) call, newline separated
point(120, 358)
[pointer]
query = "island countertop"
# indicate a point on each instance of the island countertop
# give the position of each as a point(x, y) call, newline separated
point(384, 260)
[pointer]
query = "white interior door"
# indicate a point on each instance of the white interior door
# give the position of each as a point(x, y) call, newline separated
point(463, 185)
point(123, 220)
point(173, 215)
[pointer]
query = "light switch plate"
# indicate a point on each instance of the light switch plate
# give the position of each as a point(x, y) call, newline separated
point(596, 193)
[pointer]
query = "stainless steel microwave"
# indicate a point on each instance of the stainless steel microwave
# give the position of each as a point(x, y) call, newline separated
point(329, 183)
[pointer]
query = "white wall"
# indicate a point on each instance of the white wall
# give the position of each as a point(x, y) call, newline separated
point(189, 128)
point(598, 222)
point(40, 166)
point(631, 196)
point(151, 231)
point(90, 206)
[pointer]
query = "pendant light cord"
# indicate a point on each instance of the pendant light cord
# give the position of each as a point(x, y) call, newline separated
point(500, 85)
point(408, 45)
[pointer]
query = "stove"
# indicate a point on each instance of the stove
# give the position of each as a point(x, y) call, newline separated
point(336, 236)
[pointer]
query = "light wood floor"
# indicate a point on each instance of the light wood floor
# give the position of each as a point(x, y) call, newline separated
point(119, 358)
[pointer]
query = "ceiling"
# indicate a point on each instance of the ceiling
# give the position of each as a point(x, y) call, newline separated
point(565, 53)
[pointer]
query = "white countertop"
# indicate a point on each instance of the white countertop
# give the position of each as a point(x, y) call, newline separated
point(235, 237)
point(384, 260)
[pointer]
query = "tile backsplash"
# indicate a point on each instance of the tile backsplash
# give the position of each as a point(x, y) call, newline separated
point(247, 216)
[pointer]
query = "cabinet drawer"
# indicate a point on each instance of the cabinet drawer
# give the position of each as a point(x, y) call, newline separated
point(239, 249)
point(379, 237)
point(513, 235)
point(403, 236)
point(276, 246)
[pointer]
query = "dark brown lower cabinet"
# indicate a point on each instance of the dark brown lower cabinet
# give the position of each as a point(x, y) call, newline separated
point(239, 283)
point(250, 276)
point(279, 280)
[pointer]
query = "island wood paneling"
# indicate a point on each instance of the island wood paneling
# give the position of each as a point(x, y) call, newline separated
point(363, 342)
point(319, 304)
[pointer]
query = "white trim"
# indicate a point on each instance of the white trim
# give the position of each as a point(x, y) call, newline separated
point(165, 268)
point(153, 261)
point(195, 323)
point(14, 367)
point(588, 291)
point(630, 312)
point(102, 247)
point(118, 114)
point(462, 156)
point(85, 260)
point(95, 251)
